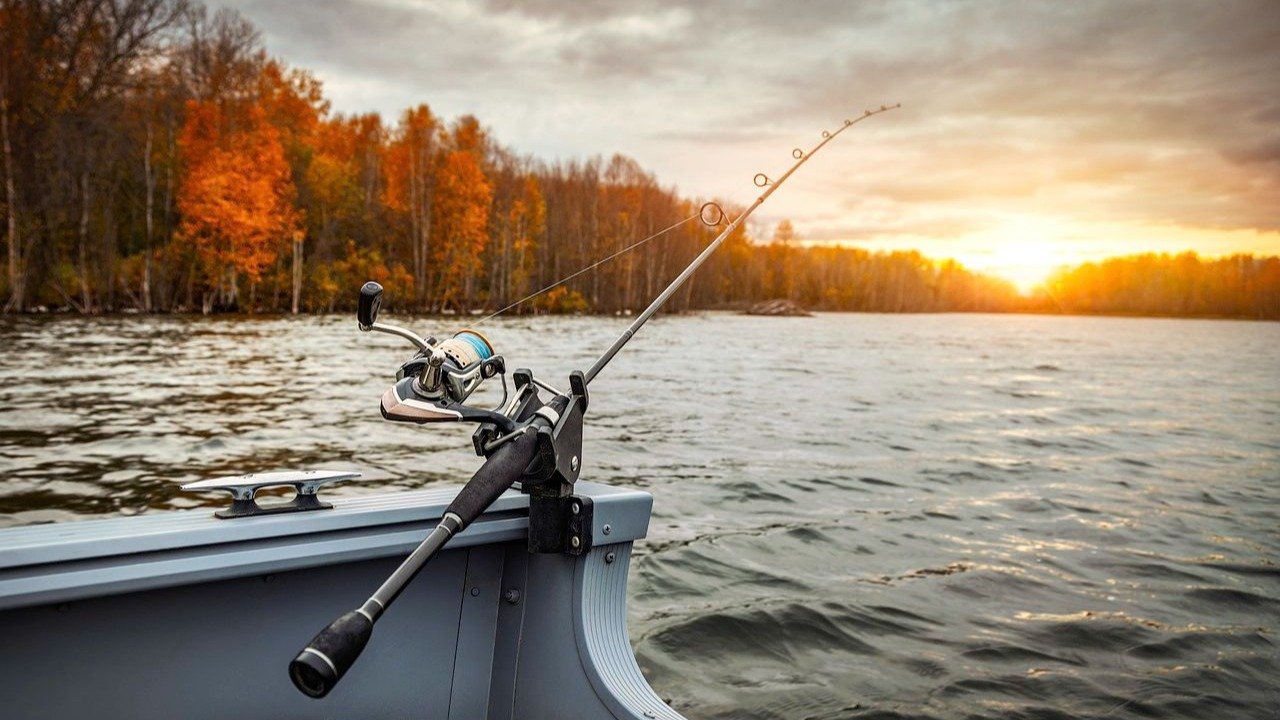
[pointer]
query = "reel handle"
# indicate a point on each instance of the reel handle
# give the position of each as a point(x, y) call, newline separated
point(369, 305)
point(367, 316)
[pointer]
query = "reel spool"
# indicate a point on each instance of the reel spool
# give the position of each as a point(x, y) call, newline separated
point(467, 347)
point(452, 369)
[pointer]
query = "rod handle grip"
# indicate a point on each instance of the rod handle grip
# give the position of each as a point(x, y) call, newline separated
point(323, 662)
point(499, 472)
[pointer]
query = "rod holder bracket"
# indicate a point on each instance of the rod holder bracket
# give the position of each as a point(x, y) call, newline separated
point(559, 521)
point(560, 524)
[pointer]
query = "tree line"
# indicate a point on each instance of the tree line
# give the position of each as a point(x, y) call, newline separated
point(157, 158)
point(1163, 284)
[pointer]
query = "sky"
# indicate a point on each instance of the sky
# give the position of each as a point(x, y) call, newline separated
point(1031, 134)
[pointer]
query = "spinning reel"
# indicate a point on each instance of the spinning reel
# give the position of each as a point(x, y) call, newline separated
point(434, 385)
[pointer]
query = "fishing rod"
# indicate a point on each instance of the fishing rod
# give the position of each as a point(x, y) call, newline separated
point(524, 440)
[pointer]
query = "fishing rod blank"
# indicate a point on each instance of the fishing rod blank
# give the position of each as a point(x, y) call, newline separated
point(761, 180)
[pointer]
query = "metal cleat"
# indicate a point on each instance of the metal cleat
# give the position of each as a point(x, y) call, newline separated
point(243, 488)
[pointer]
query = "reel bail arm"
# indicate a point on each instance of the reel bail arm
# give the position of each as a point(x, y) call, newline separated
point(367, 316)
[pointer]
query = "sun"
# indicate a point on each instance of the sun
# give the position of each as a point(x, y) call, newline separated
point(1023, 249)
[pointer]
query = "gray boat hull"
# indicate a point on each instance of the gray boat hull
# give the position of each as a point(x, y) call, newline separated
point(180, 615)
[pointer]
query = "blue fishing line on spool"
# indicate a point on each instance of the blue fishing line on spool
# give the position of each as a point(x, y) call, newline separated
point(482, 348)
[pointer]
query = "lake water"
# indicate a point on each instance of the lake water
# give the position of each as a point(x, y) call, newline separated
point(856, 515)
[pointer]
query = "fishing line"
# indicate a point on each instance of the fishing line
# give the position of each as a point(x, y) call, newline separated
point(701, 215)
point(760, 180)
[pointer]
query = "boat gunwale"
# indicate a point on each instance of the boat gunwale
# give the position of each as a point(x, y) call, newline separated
point(77, 541)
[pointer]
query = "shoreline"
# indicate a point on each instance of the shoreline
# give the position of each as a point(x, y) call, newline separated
point(275, 315)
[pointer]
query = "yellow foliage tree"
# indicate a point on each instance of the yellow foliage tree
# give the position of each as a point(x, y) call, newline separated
point(528, 220)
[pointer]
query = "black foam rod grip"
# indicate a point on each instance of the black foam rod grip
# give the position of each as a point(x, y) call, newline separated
point(498, 473)
point(329, 655)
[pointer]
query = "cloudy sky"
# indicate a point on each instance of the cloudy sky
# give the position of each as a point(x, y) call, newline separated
point(1031, 134)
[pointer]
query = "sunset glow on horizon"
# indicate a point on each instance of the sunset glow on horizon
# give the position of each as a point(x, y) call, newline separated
point(1027, 250)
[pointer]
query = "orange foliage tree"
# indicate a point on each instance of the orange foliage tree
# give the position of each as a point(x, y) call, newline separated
point(460, 219)
point(412, 160)
point(332, 179)
point(236, 198)
point(292, 101)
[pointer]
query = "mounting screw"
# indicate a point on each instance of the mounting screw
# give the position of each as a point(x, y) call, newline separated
point(609, 557)
point(475, 591)
point(573, 463)
point(575, 507)
point(575, 541)
point(608, 529)
point(512, 596)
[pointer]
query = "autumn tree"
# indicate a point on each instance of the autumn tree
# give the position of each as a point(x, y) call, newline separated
point(66, 70)
point(526, 221)
point(623, 221)
point(292, 102)
point(412, 161)
point(237, 196)
point(782, 265)
point(461, 224)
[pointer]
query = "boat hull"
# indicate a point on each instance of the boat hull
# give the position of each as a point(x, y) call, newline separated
point(181, 615)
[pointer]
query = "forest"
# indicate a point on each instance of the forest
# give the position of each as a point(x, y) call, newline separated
point(156, 158)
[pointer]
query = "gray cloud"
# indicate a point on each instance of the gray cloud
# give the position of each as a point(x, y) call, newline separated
point(1156, 112)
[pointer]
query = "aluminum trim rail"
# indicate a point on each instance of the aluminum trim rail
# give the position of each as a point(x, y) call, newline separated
point(50, 564)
